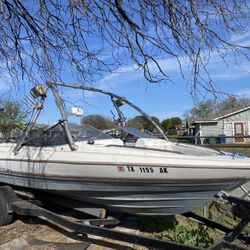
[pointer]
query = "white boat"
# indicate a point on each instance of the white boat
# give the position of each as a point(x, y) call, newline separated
point(152, 177)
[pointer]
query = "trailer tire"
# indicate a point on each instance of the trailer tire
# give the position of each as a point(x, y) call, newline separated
point(5, 215)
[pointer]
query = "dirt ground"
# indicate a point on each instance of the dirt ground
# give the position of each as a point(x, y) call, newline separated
point(26, 235)
point(35, 234)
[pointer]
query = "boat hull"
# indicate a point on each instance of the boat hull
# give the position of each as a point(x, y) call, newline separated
point(135, 181)
point(133, 197)
point(152, 198)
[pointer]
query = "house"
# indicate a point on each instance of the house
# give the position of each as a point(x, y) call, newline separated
point(234, 124)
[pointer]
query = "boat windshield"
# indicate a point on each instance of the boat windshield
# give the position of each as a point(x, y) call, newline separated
point(56, 136)
point(87, 132)
point(135, 132)
point(129, 135)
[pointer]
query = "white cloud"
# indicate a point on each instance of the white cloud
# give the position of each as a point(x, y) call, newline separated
point(232, 71)
point(229, 75)
point(122, 73)
point(127, 74)
point(216, 67)
point(244, 93)
point(246, 67)
point(241, 39)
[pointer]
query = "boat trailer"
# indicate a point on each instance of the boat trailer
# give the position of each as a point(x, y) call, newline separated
point(11, 204)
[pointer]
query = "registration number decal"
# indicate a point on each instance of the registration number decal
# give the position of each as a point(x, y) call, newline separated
point(142, 170)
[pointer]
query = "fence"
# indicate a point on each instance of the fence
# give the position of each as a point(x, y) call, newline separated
point(237, 141)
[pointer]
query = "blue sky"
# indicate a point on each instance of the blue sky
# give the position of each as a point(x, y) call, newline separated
point(166, 99)
point(163, 100)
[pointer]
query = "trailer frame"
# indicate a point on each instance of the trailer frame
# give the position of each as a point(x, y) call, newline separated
point(241, 209)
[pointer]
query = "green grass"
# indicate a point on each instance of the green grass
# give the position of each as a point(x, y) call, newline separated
point(197, 236)
point(183, 230)
point(245, 151)
point(216, 210)
point(177, 230)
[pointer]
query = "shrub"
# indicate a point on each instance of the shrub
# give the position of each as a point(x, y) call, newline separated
point(157, 224)
point(198, 237)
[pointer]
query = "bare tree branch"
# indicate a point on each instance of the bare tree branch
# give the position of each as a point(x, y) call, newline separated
point(41, 40)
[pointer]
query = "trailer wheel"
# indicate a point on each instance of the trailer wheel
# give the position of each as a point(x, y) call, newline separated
point(5, 215)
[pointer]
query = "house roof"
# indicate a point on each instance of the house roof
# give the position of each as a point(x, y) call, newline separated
point(218, 116)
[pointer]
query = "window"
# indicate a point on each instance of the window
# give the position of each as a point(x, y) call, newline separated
point(54, 137)
point(88, 132)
